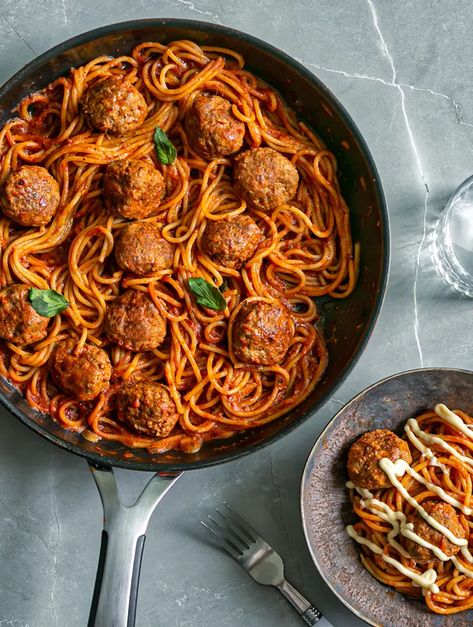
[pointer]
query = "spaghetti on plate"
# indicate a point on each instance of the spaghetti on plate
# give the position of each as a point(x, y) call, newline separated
point(414, 506)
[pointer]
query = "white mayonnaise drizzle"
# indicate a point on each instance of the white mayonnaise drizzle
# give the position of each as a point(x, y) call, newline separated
point(448, 415)
point(397, 519)
point(412, 432)
point(412, 427)
point(398, 469)
point(385, 513)
point(459, 566)
point(425, 580)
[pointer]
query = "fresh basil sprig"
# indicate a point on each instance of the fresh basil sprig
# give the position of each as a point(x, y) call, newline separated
point(207, 294)
point(47, 303)
point(165, 149)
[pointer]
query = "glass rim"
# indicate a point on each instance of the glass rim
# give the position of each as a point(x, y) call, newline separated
point(468, 182)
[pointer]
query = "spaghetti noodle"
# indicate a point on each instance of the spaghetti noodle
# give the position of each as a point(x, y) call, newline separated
point(431, 557)
point(307, 250)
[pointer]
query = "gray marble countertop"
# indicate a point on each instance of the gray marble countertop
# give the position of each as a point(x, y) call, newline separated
point(403, 71)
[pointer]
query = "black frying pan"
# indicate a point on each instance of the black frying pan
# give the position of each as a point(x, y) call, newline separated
point(348, 323)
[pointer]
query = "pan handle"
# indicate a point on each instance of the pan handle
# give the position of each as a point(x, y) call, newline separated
point(123, 537)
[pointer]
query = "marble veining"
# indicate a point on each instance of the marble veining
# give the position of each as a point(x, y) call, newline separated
point(402, 70)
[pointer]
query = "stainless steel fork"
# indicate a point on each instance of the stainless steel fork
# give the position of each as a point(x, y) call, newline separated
point(258, 559)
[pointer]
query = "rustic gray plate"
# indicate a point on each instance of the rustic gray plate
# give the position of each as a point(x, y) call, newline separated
point(326, 508)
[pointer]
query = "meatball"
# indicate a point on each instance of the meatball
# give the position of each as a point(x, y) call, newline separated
point(19, 322)
point(365, 454)
point(231, 243)
point(262, 333)
point(30, 196)
point(134, 322)
point(83, 374)
point(212, 128)
point(114, 106)
point(148, 408)
point(141, 248)
point(132, 189)
point(446, 515)
point(265, 178)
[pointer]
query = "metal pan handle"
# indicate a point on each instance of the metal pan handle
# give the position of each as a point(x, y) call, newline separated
point(123, 538)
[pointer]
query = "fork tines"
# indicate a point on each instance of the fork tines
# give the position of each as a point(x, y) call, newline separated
point(233, 533)
point(257, 557)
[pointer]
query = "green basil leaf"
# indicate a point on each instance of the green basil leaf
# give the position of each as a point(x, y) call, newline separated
point(207, 294)
point(224, 286)
point(165, 149)
point(47, 303)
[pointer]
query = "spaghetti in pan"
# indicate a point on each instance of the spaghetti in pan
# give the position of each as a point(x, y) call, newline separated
point(166, 225)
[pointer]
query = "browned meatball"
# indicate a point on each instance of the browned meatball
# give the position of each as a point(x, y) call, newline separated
point(141, 248)
point(365, 454)
point(446, 515)
point(148, 408)
point(265, 178)
point(19, 322)
point(132, 189)
point(262, 333)
point(114, 106)
point(83, 374)
point(212, 128)
point(231, 243)
point(30, 196)
point(134, 322)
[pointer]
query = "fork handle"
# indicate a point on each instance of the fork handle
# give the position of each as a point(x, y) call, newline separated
point(308, 612)
point(312, 615)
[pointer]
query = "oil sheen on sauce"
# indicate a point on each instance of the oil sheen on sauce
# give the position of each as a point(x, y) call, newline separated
point(395, 470)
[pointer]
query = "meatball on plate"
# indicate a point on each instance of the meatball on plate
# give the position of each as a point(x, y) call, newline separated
point(366, 453)
point(445, 515)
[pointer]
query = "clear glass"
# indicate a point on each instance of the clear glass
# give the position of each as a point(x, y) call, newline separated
point(453, 240)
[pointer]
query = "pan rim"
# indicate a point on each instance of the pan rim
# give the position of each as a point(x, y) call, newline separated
point(91, 35)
